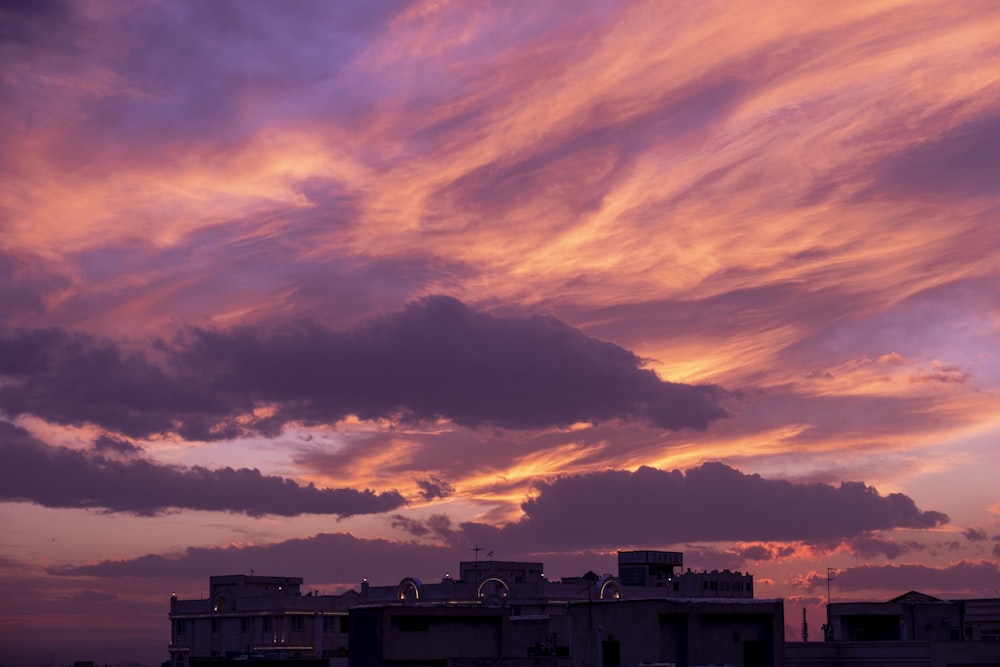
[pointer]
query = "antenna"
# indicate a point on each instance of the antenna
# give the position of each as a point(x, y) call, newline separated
point(477, 549)
point(828, 630)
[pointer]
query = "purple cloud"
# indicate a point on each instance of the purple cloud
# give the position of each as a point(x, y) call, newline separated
point(975, 534)
point(434, 488)
point(869, 546)
point(61, 477)
point(964, 577)
point(962, 162)
point(764, 552)
point(437, 358)
point(712, 502)
point(105, 443)
point(326, 557)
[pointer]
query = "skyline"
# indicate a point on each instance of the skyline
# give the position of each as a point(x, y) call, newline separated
point(342, 291)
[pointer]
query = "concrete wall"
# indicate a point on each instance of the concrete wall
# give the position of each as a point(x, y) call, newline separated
point(426, 635)
point(687, 633)
point(892, 654)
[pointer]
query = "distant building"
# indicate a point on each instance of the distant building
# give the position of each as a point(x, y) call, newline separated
point(672, 631)
point(911, 629)
point(258, 616)
point(493, 610)
point(660, 570)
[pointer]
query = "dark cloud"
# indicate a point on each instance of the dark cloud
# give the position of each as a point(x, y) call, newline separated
point(110, 444)
point(710, 503)
point(412, 526)
point(72, 378)
point(434, 488)
point(437, 358)
point(975, 534)
point(974, 578)
point(60, 477)
point(323, 558)
point(764, 552)
point(869, 546)
point(439, 526)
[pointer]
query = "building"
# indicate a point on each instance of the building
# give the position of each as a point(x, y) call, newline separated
point(911, 629)
point(493, 610)
point(262, 616)
point(680, 632)
point(428, 635)
point(659, 570)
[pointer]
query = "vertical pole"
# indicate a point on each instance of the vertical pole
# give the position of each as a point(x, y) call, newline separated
point(829, 624)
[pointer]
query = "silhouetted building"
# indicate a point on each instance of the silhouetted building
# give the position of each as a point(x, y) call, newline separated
point(497, 611)
point(661, 570)
point(911, 629)
point(258, 616)
point(393, 635)
point(670, 631)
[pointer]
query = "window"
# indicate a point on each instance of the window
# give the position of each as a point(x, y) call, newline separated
point(412, 624)
point(216, 625)
point(179, 628)
point(267, 623)
point(296, 623)
point(343, 624)
point(329, 624)
point(246, 624)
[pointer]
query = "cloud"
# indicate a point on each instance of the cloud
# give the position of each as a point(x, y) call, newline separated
point(433, 488)
point(61, 477)
point(105, 443)
point(962, 578)
point(323, 558)
point(712, 502)
point(942, 373)
point(964, 161)
point(25, 284)
point(869, 546)
point(975, 534)
point(436, 358)
point(763, 552)
point(439, 526)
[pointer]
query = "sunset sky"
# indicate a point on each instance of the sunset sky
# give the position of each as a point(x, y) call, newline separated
point(343, 289)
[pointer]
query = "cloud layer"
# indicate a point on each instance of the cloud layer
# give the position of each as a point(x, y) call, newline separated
point(61, 477)
point(712, 502)
point(743, 232)
point(435, 359)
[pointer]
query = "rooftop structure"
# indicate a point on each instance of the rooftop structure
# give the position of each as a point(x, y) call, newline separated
point(255, 616)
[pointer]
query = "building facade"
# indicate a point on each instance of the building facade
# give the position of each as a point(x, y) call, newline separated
point(490, 610)
point(908, 630)
point(258, 616)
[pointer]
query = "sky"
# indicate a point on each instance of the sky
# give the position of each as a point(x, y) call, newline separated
point(344, 290)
